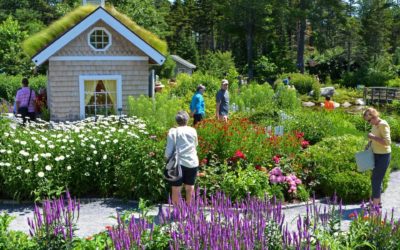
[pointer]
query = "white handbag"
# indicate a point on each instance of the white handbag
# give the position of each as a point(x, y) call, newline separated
point(365, 160)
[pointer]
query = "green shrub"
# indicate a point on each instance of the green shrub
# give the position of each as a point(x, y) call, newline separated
point(395, 158)
point(186, 84)
point(238, 184)
point(317, 125)
point(10, 84)
point(160, 113)
point(393, 83)
point(302, 82)
point(330, 161)
point(394, 122)
point(286, 98)
point(219, 64)
point(349, 186)
point(253, 96)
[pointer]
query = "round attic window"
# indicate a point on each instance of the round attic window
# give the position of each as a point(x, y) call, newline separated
point(99, 39)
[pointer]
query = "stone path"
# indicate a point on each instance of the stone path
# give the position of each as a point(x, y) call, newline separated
point(96, 214)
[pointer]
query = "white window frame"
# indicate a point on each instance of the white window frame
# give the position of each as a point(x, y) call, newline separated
point(83, 78)
point(109, 38)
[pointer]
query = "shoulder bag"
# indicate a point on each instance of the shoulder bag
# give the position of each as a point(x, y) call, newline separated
point(365, 159)
point(173, 170)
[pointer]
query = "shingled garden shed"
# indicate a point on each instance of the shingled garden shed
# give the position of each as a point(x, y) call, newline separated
point(96, 57)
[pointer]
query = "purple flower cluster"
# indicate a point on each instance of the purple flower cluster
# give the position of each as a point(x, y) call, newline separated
point(276, 177)
point(55, 218)
point(130, 236)
point(219, 223)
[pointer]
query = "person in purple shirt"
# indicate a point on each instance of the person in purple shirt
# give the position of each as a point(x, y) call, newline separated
point(25, 101)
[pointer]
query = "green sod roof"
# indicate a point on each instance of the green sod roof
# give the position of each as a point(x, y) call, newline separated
point(40, 40)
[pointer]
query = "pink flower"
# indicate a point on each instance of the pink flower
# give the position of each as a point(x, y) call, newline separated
point(276, 159)
point(272, 178)
point(239, 154)
point(280, 179)
point(305, 144)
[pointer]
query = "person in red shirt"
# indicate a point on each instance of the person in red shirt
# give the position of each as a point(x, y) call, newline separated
point(328, 104)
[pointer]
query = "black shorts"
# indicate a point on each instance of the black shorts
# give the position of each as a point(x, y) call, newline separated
point(188, 177)
point(197, 118)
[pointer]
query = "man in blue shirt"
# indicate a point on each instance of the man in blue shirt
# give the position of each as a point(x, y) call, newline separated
point(197, 108)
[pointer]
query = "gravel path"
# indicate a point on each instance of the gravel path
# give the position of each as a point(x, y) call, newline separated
point(95, 214)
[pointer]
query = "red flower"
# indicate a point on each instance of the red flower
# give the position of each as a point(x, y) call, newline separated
point(299, 135)
point(204, 161)
point(109, 228)
point(258, 167)
point(276, 159)
point(239, 154)
point(305, 144)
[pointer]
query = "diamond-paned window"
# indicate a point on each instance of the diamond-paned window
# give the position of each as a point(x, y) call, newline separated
point(99, 39)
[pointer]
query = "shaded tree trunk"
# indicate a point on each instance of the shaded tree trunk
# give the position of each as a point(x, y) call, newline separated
point(301, 38)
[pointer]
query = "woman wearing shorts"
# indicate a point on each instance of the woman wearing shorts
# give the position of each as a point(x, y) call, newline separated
point(186, 143)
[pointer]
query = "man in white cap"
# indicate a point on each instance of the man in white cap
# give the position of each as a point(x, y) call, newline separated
point(222, 109)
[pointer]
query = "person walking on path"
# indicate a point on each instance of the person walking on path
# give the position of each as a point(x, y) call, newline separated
point(197, 107)
point(379, 140)
point(222, 109)
point(25, 101)
point(184, 140)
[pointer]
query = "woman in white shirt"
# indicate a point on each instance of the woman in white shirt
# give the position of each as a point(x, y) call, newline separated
point(186, 143)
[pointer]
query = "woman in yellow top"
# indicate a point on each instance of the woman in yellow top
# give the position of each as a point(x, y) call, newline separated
point(380, 141)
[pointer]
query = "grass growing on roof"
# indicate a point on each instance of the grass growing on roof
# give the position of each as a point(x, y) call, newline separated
point(38, 41)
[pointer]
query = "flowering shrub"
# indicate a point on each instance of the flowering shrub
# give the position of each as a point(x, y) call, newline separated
point(102, 157)
point(54, 224)
point(259, 146)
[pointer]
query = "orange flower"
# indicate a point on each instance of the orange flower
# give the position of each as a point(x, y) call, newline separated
point(201, 174)
point(352, 215)
point(89, 238)
point(365, 217)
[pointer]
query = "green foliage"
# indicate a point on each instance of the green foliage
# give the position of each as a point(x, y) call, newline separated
point(349, 186)
point(186, 85)
point(331, 166)
point(10, 240)
point(317, 125)
point(10, 84)
point(395, 158)
point(286, 98)
point(266, 68)
point(219, 64)
point(167, 70)
point(242, 182)
point(253, 96)
point(374, 231)
point(302, 82)
point(12, 59)
point(394, 123)
point(160, 113)
point(302, 193)
point(36, 42)
point(393, 83)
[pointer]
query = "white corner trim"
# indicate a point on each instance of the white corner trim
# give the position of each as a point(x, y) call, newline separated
point(99, 14)
point(109, 38)
point(82, 79)
point(99, 58)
